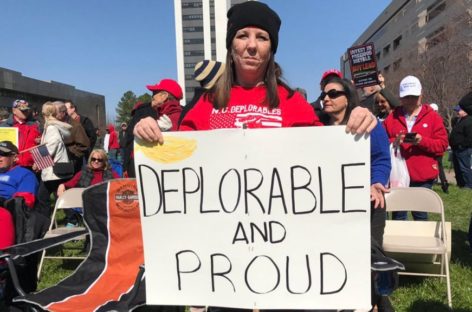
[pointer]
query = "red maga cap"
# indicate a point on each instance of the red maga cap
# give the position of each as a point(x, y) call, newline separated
point(331, 72)
point(168, 85)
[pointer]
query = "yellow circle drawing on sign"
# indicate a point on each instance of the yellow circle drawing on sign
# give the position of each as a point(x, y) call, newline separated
point(173, 150)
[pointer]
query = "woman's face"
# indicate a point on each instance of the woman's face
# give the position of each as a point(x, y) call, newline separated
point(384, 106)
point(158, 99)
point(251, 53)
point(97, 161)
point(334, 98)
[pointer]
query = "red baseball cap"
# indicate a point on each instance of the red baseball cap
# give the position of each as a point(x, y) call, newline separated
point(331, 72)
point(168, 85)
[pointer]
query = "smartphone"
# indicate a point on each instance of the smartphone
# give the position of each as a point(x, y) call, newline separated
point(409, 137)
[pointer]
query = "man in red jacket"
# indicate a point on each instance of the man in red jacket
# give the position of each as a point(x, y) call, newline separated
point(420, 133)
point(113, 144)
point(28, 131)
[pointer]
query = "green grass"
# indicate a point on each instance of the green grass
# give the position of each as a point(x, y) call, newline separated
point(429, 294)
point(447, 161)
point(413, 295)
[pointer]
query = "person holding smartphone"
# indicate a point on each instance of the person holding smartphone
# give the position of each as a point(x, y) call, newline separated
point(420, 133)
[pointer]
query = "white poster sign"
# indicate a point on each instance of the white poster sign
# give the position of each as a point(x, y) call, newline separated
point(266, 218)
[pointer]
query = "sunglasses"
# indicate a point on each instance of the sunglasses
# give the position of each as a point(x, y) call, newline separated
point(96, 159)
point(333, 94)
point(5, 154)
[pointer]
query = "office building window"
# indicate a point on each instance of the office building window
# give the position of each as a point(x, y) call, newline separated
point(377, 56)
point(189, 65)
point(194, 53)
point(396, 42)
point(386, 69)
point(397, 64)
point(435, 9)
point(192, 17)
point(197, 4)
point(193, 29)
point(386, 50)
point(193, 41)
point(435, 38)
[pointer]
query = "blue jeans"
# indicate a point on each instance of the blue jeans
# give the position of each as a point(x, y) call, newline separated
point(461, 158)
point(417, 215)
point(112, 154)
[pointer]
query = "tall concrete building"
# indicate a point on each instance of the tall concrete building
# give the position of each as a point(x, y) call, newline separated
point(431, 39)
point(13, 85)
point(200, 28)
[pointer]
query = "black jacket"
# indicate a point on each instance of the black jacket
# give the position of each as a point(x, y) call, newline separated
point(141, 112)
point(461, 134)
point(89, 129)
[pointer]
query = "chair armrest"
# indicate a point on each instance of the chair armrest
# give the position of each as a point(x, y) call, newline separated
point(28, 248)
point(15, 252)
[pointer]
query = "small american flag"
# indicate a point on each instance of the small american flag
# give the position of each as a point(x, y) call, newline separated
point(41, 157)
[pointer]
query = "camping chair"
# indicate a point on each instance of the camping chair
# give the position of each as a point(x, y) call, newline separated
point(110, 277)
point(423, 246)
point(70, 199)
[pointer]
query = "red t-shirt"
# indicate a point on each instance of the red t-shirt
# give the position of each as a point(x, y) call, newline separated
point(245, 109)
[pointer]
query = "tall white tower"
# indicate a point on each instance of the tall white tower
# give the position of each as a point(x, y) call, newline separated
point(200, 33)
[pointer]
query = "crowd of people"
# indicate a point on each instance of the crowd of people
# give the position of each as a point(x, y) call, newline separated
point(251, 82)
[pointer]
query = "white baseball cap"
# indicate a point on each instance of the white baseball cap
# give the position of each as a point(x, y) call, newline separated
point(410, 86)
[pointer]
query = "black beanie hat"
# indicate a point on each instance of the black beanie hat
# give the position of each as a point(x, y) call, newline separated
point(466, 103)
point(253, 13)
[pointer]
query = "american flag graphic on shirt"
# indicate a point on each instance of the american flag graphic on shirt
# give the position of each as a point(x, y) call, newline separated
point(246, 116)
point(41, 157)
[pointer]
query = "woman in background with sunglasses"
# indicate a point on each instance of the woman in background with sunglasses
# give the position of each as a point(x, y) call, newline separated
point(98, 169)
point(339, 98)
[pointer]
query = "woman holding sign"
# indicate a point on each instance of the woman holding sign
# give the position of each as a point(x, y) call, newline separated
point(339, 97)
point(250, 92)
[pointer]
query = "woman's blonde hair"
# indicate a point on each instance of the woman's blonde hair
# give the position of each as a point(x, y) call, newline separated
point(49, 111)
point(103, 154)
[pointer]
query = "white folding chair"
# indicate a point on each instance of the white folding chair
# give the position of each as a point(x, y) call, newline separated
point(71, 198)
point(424, 247)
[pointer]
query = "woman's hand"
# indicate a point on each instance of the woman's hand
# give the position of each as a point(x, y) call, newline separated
point(376, 195)
point(361, 121)
point(147, 129)
point(61, 189)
